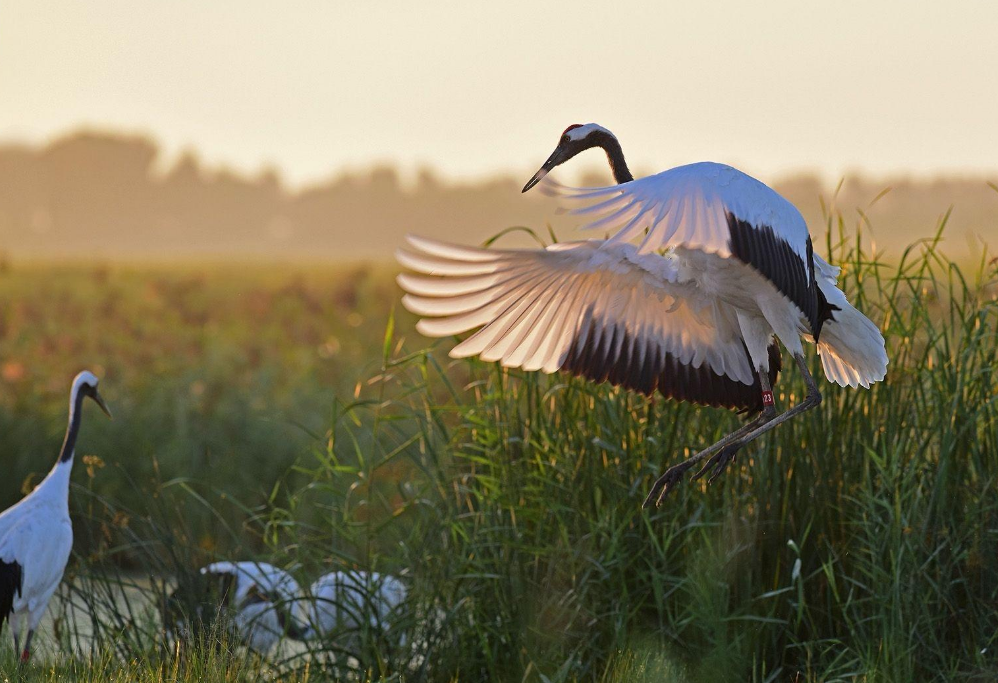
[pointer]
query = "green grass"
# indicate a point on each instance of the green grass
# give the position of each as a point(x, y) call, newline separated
point(858, 542)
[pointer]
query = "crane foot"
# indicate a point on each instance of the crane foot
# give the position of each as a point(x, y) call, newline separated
point(719, 462)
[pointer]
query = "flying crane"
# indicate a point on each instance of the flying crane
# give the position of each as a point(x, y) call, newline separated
point(706, 270)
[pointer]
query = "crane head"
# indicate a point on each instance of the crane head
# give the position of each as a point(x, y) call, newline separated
point(86, 384)
point(576, 138)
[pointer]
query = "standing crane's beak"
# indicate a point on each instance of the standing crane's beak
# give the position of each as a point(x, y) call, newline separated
point(558, 156)
point(99, 400)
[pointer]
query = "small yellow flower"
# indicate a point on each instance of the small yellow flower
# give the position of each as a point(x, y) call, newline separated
point(93, 463)
point(120, 520)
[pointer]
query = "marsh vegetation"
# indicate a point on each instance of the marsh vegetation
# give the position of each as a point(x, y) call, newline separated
point(294, 417)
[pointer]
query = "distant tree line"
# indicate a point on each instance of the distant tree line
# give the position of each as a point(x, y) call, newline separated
point(110, 195)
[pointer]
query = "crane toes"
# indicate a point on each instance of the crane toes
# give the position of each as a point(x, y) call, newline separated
point(666, 483)
point(719, 462)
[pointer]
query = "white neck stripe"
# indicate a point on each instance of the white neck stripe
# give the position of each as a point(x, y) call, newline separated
point(582, 131)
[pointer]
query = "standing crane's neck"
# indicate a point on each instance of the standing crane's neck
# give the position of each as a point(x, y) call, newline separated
point(73, 427)
point(615, 155)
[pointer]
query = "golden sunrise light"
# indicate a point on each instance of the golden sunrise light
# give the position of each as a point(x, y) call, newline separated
point(474, 89)
point(471, 342)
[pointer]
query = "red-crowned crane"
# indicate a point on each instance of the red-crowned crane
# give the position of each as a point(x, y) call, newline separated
point(260, 604)
point(255, 601)
point(36, 534)
point(723, 265)
point(351, 602)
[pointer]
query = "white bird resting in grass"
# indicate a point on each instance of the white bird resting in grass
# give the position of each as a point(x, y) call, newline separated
point(256, 602)
point(350, 602)
point(260, 604)
point(36, 534)
point(706, 268)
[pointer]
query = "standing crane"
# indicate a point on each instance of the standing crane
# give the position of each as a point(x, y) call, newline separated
point(36, 534)
point(724, 268)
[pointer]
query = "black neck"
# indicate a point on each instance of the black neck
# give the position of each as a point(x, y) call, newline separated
point(72, 429)
point(615, 156)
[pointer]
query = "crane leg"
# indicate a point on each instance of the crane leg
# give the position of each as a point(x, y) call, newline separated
point(726, 455)
point(26, 653)
point(723, 452)
point(671, 477)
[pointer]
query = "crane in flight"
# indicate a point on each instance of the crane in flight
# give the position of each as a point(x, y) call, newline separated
point(706, 272)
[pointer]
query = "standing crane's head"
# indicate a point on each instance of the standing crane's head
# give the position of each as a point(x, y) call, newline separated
point(576, 138)
point(85, 385)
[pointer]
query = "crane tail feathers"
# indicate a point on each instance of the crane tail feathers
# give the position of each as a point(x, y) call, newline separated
point(852, 350)
point(11, 582)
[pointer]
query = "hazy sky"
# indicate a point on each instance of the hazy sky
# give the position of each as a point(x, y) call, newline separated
point(471, 88)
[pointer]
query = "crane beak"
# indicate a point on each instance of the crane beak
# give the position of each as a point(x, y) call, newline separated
point(99, 400)
point(536, 178)
point(556, 158)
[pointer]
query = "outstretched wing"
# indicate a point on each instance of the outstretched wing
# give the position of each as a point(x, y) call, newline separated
point(715, 209)
point(600, 310)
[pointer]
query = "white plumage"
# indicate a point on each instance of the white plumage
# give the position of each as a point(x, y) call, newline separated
point(349, 601)
point(36, 534)
point(531, 305)
point(257, 625)
point(258, 603)
point(688, 207)
point(704, 269)
point(265, 602)
point(851, 347)
point(258, 577)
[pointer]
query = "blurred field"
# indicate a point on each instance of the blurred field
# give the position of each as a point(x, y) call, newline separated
point(286, 414)
point(116, 196)
point(220, 373)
